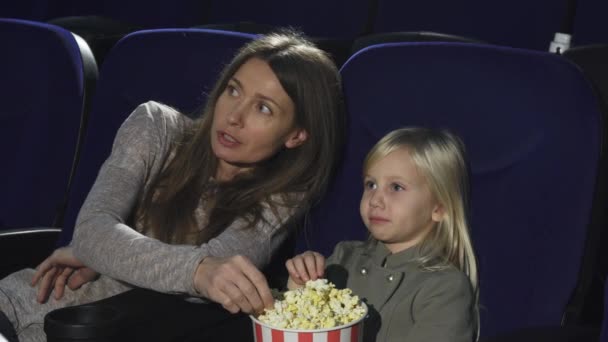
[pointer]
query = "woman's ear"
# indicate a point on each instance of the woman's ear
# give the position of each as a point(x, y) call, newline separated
point(438, 213)
point(296, 138)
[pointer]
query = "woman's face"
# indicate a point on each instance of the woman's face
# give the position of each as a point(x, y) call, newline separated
point(253, 118)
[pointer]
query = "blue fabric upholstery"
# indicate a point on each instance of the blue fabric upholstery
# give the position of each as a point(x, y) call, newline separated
point(590, 22)
point(331, 19)
point(143, 13)
point(172, 66)
point(517, 23)
point(42, 87)
point(593, 59)
point(531, 125)
point(26, 9)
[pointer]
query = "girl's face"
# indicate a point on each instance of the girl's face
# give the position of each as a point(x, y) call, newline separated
point(397, 205)
point(253, 118)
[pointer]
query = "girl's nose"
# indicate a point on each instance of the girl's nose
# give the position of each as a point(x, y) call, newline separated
point(376, 200)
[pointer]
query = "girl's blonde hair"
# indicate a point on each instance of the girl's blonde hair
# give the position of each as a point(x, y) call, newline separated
point(440, 157)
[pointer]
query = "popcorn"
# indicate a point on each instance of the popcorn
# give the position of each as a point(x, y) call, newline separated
point(318, 305)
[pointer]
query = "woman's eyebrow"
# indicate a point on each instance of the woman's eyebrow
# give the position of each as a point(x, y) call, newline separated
point(236, 80)
point(269, 99)
point(260, 95)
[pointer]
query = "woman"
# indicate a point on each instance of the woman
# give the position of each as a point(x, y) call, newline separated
point(198, 207)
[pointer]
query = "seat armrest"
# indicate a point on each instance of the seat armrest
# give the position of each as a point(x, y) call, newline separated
point(25, 248)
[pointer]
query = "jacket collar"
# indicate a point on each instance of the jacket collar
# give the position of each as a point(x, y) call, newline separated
point(381, 256)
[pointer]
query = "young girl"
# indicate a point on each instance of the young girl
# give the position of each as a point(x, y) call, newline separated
point(417, 272)
point(198, 207)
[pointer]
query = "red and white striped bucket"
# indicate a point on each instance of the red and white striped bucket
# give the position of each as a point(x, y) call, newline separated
point(352, 332)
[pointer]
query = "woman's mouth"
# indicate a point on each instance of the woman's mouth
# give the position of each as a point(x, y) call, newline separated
point(227, 140)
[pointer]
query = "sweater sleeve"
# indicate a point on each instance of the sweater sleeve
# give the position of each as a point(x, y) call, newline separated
point(442, 310)
point(103, 241)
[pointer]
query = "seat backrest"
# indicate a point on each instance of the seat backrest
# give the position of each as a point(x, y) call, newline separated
point(330, 19)
point(407, 37)
point(593, 59)
point(35, 10)
point(590, 22)
point(517, 23)
point(531, 125)
point(44, 85)
point(172, 66)
point(142, 13)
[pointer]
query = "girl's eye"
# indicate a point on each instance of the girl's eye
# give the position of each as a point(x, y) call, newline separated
point(231, 90)
point(397, 187)
point(265, 109)
point(369, 185)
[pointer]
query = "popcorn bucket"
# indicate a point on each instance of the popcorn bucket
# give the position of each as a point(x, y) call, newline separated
point(351, 332)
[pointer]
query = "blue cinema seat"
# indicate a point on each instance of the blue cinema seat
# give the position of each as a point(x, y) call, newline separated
point(516, 23)
point(103, 23)
point(332, 25)
point(534, 135)
point(593, 60)
point(590, 22)
point(407, 37)
point(331, 19)
point(172, 66)
point(47, 77)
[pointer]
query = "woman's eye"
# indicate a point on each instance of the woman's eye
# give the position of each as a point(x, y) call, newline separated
point(231, 90)
point(265, 109)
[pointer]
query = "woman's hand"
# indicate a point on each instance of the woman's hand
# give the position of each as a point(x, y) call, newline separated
point(59, 269)
point(303, 267)
point(233, 282)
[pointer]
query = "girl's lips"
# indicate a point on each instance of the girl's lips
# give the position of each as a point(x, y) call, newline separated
point(377, 219)
point(227, 140)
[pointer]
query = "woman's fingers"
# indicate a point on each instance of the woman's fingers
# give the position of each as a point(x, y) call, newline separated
point(235, 283)
point(61, 257)
point(61, 281)
point(46, 283)
point(81, 277)
point(238, 299)
point(57, 271)
point(255, 287)
point(41, 270)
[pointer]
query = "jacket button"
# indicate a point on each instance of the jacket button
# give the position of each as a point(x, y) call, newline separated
point(363, 271)
point(390, 278)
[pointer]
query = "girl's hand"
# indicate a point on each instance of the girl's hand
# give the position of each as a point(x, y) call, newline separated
point(306, 266)
point(233, 282)
point(58, 270)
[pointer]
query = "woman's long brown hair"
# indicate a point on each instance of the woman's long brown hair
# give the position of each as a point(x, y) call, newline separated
point(300, 174)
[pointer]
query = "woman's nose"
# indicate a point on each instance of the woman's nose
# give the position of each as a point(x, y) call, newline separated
point(235, 116)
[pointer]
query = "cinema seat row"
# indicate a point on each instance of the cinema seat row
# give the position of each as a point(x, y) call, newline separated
point(533, 123)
